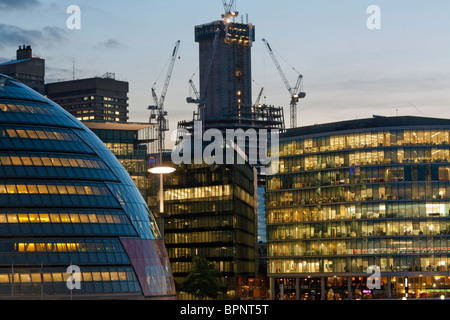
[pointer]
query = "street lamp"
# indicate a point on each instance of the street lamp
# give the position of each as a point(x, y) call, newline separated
point(161, 170)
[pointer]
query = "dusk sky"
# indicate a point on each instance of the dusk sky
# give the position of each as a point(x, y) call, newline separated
point(350, 71)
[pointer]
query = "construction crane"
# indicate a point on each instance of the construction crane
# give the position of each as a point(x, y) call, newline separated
point(196, 99)
point(258, 98)
point(296, 92)
point(157, 110)
point(228, 13)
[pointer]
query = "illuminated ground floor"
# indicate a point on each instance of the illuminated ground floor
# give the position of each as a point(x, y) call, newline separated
point(349, 287)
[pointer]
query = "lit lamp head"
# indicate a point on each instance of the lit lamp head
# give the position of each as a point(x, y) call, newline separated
point(161, 170)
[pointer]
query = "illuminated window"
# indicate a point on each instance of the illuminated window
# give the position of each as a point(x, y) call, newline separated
point(96, 276)
point(16, 161)
point(23, 218)
point(59, 218)
point(4, 278)
point(44, 217)
point(74, 218)
point(57, 277)
point(22, 134)
point(65, 218)
point(105, 276)
point(33, 217)
point(84, 218)
point(39, 134)
point(55, 218)
point(11, 188)
point(71, 189)
point(25, 278)
point(22, 189)
point(114, 276)
point(87, 276)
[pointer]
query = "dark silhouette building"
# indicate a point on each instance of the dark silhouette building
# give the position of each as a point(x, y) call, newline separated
point(26, 68)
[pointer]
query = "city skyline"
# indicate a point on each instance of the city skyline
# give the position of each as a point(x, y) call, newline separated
point(350, 71)
point(364, 190)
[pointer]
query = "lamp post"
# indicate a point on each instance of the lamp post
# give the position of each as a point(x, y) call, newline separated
point(161, 170)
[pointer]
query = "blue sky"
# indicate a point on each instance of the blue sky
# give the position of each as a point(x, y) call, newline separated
point(350, 72)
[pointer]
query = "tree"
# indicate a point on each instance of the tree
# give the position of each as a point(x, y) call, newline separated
point(203, 280)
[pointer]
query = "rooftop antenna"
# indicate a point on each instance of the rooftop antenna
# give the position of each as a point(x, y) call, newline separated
point(415, 107)
point(73, 68)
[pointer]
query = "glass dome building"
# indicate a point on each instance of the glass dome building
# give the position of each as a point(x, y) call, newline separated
point(66, 201)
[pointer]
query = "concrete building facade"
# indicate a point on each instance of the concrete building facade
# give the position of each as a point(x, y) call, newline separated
point(93, 99)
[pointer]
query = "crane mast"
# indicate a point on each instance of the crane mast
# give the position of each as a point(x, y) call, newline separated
point(295, 92)
point(169, 74)
point(157, 110)
point(258, 98)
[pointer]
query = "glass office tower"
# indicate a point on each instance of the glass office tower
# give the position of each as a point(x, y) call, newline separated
point(211, 214)
point(66, 200)
point(355, 194)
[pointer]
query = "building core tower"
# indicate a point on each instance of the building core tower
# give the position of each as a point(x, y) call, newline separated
point(225, 71)
point(225, 99)
point(225, 76)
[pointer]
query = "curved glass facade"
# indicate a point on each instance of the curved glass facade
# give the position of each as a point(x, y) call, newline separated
point(344, 200)
point(66, 200)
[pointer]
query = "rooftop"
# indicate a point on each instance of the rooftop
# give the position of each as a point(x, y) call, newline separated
point(14, 62)
point(368, 123)
point(130, 126)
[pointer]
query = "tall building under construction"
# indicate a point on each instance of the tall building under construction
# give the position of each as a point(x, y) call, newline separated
point(225, 101)
point(225, 75)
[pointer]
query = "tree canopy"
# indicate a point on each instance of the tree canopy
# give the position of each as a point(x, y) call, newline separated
point(203, 281)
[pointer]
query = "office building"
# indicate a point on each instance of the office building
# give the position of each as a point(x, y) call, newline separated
point(65, 200)
point(28, 69)
point(357, 194)
point(97, 99)
point(211, 214)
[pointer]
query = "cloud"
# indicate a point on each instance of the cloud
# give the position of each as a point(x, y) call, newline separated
point(47, 37)
point(55, 74)
point(110, 44)
point(54, 34)
point(17, 4)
